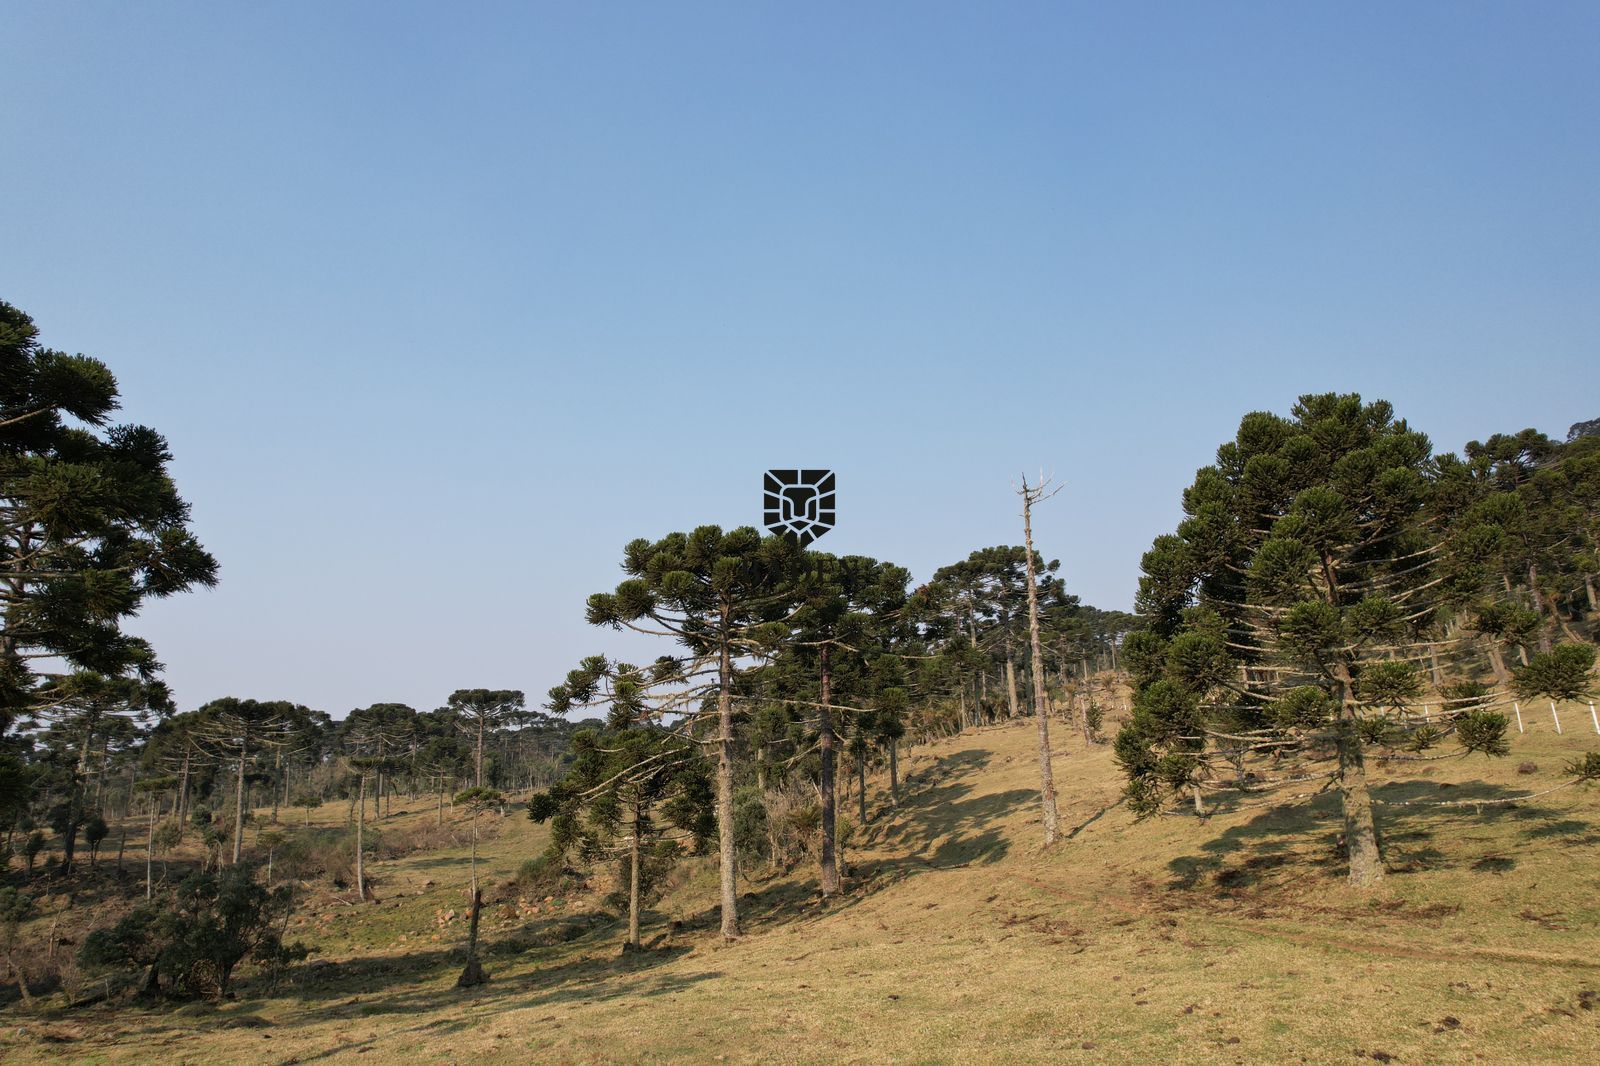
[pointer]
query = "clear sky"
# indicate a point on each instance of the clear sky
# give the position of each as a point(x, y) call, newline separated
point(441, 304)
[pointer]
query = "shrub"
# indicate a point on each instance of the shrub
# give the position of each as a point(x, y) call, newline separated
point(196, 939)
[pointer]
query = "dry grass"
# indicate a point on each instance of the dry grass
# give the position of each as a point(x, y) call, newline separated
point(961, 940)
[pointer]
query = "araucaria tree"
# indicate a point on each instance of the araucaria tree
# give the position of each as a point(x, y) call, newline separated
point(629, 787)
point(721, 596)
point(477, 801)
point(838, 668)
point(480, 711)
point(240, 731)
point(1289, 616)
point(91, 524)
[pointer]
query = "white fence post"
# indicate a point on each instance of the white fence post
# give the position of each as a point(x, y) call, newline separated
point(1518, 707)
point(1593, 717)
point(1554, 715)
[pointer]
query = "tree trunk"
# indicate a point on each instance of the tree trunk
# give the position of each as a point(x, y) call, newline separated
point(830, 866)
point(728, 868)
point(69, 839)
point(22, 983)
point(633, 881)
point(479, 764)
point(1012, 705)
point(277, 766)
point(473, 974)
point(238, 811)
point(150, 850)
point(361, 868)
point(861, 782)
point(894, 771)
point(1546, 611)
point(1041, 713)
point(1497, 661)
point(1360, 830)
point(183, 798)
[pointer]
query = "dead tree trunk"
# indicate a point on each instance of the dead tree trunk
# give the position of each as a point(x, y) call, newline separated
point(1041, 712)
point(728, 862)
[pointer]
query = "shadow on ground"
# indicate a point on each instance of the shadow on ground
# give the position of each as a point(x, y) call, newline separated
point(1309, 834)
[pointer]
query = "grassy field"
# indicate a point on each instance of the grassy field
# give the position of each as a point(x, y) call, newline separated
point(960, 939)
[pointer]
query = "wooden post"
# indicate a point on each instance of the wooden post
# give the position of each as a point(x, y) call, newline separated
point(1593, 717)
point(1518, 708)
point(1554, 715)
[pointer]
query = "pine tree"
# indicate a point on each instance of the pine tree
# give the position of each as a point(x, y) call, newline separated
point(1287, 614)
point(624, 781)
point(91, 524)
point(721, 596)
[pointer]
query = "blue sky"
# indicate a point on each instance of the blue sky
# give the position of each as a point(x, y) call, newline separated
point(439, 305)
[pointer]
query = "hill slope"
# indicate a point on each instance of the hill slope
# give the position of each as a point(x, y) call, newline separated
point(961, 940)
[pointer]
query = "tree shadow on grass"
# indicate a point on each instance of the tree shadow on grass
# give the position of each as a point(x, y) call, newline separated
point(1303, 838)
point(586, 979)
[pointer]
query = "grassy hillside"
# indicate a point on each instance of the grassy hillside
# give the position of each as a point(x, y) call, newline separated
point(1228, 940)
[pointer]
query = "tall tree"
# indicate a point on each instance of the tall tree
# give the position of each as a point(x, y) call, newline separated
point(721, 596)
point(1286, 609)
point(850, 613)
point(83, 707)
point(240, 731)
point(1032, 494)
point(479, 711)
point(91, 524)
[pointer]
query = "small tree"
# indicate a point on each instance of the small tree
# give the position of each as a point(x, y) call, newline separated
point(477, 801)
point(199, 936)
point(1563, 673)
point(15, 907)
point(609, 804)
point(153, 789)
point(308, 801)
point(32, 847)
point(364, 766)
point(95, 830)
point(270, 840)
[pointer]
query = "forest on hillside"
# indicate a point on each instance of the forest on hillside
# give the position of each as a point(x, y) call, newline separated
point(1337, 592)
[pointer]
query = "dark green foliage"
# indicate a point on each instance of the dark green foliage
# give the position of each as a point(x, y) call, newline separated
point(1303, 707)
point(93, 524)
point(1586, 768)
point(1425, 736)
point(1292, 601)
point(94, 831)
point(1563, 673)
point(1388, 683)
point(32, 846)
point(1484, 732)
point(194, 940)
point(1144, 656)
point(1461, 694)
point(626, 789)
point(1375, 731)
